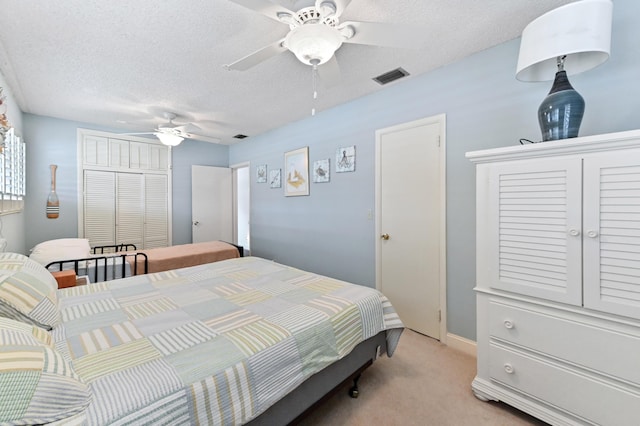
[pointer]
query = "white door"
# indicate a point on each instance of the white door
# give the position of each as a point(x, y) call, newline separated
point(130, 209)
point(409, 220)
point(99, 207)
point(211, 207)
point(242, 206)
point(156, 207)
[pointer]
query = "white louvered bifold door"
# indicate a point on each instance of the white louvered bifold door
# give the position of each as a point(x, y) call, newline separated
point(156, 229)
point(535, 215)
point(612, 233)
point(130, 209)
point(99, 208)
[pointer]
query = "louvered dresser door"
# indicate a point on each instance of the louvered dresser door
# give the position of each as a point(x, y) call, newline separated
point(612, 233)
point(535, 224)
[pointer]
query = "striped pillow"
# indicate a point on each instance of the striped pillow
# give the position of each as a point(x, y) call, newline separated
point(27, 291)
point(9, 329)
point(37, 385)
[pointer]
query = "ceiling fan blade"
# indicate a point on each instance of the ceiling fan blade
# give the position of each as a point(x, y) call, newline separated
point(258, 56)
point(134, 134)
point(340, 5)
point(204, 138)
point(381, 34)
point(189, 128)
point(329, 73)
point(267, 8)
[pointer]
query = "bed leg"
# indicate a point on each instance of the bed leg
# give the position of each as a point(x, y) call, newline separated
point(353, 391)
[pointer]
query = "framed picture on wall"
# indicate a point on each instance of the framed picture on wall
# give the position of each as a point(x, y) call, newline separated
point(274, 178)
point(346, 159)
point(296, 178)
point(261, 173)
point(321, 171)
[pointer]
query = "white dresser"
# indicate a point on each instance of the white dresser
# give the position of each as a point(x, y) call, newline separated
point(558, 278)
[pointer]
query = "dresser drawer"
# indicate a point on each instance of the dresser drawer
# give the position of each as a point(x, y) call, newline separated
point(597, 348)
point(583, 396)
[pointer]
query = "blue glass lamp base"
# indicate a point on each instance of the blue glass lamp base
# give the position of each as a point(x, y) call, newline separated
point(560, 113)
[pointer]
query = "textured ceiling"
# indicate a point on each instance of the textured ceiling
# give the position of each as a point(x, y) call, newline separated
point(122, 63)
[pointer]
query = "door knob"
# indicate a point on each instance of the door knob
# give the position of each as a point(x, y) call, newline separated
point(384, 236)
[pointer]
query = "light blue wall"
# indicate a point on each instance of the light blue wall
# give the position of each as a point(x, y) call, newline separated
point(54, 141)
point(328, 232)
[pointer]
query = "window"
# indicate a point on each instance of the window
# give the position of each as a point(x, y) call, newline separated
point(12, 173)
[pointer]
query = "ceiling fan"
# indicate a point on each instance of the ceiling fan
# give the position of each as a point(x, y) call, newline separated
point(172, 134)
point(316, 33)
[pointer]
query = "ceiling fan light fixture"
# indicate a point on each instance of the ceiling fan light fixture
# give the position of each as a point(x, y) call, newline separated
point(169, 139)
point(313, 43)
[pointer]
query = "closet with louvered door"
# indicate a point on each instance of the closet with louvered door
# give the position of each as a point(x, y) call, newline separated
point(156, 213)
point(125, 190)
point(99, 189)
point(130, 213)
point(558, 278)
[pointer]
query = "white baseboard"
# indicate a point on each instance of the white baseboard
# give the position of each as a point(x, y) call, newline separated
point(462, 344)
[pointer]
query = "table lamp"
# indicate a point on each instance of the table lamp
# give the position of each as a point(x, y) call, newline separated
point(568, 40)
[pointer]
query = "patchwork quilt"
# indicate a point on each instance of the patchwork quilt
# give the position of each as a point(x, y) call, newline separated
point(211, 344)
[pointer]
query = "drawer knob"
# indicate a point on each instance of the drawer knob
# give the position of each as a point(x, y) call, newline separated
point(592, 234)
point(508, 324)
point(508, 368)
point(574, 232)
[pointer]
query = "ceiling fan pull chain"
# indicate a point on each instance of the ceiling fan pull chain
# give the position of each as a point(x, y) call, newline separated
point(314, 79)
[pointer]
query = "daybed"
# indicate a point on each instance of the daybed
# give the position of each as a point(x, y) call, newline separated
point(180, 256)
point(235, 341)
point(104, 263)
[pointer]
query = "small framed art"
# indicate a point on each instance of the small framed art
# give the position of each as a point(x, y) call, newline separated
point(274, 178)
point(321, 171)
point(346, 159)
point(296, 178)
point(261, 173)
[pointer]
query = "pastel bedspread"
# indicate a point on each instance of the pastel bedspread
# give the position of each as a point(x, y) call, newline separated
point(211, 344)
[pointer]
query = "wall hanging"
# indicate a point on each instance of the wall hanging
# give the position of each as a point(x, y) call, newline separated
point(297, 172)
point(53, 204)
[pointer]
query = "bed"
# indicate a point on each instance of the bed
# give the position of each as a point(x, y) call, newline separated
point(105, 263)
point(180, 256)
point(243, 340)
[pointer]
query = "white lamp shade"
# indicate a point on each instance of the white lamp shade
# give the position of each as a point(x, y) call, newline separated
point(313, 42)
point(169, 139)
point(580, 30)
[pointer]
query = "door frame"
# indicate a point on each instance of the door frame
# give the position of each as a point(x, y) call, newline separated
point(441, 120)
point(234, 194)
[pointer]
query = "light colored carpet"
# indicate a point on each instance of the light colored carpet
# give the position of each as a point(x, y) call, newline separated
point(424, 383)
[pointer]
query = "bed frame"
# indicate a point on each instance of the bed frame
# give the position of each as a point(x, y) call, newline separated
point(316, 389)
point(113, 257)
point(102, 264)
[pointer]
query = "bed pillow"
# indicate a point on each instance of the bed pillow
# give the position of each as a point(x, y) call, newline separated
point(60, 249)
point(37, 384)
point(27, 291)
point(30, 332)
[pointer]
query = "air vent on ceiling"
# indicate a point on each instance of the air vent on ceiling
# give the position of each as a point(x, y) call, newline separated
point(390, 76)
point(240, 136)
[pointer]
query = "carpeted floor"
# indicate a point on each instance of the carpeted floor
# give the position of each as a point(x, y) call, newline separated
point(424, 383)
